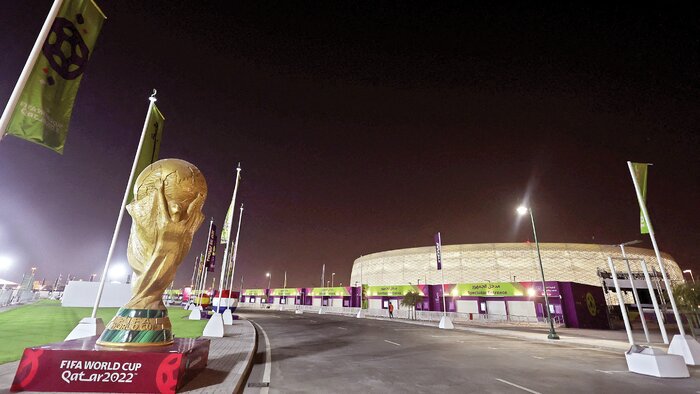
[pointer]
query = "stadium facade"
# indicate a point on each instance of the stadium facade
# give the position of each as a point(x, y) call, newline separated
point(501, 262)
point(487, 282)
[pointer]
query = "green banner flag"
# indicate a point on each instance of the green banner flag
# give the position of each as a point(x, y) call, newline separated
point(640, 172)
point(227, 224)
point(151, 143)
point(45, 105)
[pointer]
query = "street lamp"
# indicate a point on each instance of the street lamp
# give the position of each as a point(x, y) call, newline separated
point(523, 210)
point(691, 275)
point(332, 278)
point(116, 271)
point(5, 262)
point(269, 279)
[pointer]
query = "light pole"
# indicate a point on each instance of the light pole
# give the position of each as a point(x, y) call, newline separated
point(332, 279)
point(691, 275)
point(637, 300)
point(522, 210)
point(269, 279)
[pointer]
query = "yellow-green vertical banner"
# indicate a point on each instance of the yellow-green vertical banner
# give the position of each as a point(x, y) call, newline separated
point(45, 105)
point(640, 172)
point(151, 143)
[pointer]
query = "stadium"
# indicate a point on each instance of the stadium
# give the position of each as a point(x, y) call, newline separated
point(502, 262)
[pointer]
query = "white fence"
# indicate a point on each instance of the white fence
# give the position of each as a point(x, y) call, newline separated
point(457, 318)
point(14, 296)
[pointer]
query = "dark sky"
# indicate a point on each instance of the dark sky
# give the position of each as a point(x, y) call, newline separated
point(365, 127)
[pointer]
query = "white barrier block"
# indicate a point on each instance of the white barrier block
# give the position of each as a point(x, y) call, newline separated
point(227, 317)
point(687, 347)
point(195, 314)
point(214, 327)
point(655, 362)
point(446, 323)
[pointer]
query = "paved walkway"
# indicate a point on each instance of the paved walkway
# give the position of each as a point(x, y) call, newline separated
point(230, 358)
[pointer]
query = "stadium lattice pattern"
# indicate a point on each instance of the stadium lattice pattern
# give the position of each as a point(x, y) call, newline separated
point(503, 262)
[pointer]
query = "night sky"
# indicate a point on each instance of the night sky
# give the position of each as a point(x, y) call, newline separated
point(365, 127)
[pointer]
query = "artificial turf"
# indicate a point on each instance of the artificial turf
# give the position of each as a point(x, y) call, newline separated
point(47, 321)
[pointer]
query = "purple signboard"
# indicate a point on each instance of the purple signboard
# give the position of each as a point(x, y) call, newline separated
point(438, 250)
point(210, 257)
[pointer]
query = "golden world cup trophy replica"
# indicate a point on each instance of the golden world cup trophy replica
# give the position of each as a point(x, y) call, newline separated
point(166, 212)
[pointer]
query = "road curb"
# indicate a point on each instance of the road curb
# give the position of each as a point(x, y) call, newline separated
point(238, 388)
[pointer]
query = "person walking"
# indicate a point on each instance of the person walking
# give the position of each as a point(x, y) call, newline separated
point(391, 310)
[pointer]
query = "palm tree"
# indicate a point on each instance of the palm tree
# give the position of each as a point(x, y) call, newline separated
point(411, 299)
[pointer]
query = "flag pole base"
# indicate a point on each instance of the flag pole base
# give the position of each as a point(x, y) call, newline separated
point(195, 314)
point(227, 317)
point(687, 347)
point(446, 323)
point(646, 360)
point(88, 327)
point(214, 327)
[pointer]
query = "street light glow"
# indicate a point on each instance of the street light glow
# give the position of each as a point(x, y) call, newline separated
point(6, 262)
point(117, 271)
point(522, 210)
point(267, 274)
point(530, 292)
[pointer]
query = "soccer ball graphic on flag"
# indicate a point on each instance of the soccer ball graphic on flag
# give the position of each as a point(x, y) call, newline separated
point(65, 49)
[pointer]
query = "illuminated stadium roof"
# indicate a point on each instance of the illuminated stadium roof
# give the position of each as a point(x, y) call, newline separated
point(504, 262)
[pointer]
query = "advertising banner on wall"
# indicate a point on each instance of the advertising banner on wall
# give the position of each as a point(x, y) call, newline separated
point(398, 290)
point(502, 289)
point(329, 291)
point(285, 292)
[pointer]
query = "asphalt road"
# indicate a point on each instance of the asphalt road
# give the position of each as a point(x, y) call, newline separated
point(313, 353)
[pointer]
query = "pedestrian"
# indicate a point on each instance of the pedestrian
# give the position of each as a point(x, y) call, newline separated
point(391, 310)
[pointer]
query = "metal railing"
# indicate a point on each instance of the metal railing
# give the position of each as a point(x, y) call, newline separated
point(432, 316)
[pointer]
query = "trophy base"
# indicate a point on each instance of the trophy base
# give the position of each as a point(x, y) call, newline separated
point(81, 365)
point(138, 328)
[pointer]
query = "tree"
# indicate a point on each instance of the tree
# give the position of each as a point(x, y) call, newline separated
point(411, 299)
point(688, 297)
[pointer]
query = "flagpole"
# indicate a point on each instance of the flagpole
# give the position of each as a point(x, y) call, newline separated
point(643, 206)
point(228, 241)
point(132, 175)
point(28, 66)
point(215, 325)
point(235, 253)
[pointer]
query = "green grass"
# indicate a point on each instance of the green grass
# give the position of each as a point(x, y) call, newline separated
point(47, 321)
